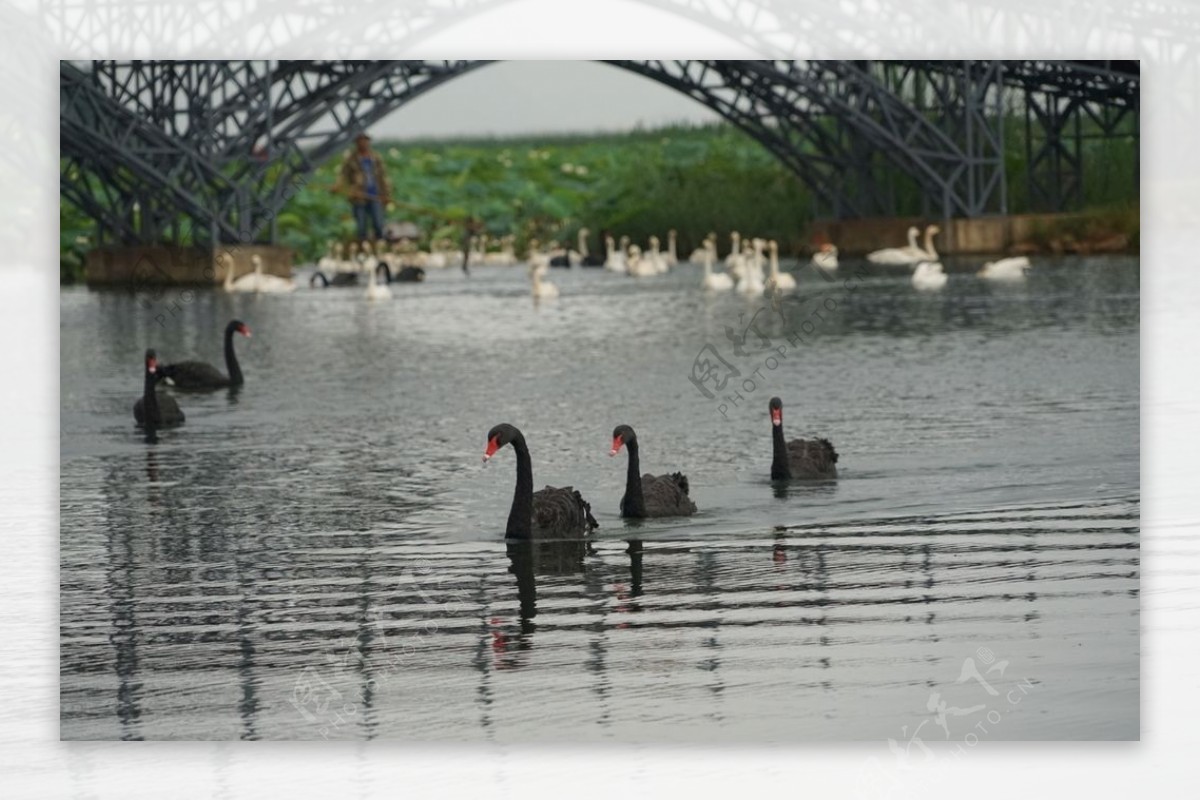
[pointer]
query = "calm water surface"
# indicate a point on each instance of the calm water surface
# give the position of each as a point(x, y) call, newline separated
point(321, 554)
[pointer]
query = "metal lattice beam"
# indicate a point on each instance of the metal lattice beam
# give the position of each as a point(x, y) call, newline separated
point(221, 144)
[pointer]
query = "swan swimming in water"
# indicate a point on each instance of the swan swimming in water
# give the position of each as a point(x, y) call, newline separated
point(930, 251)
point(717, 282)
point(734, 259)
point(800, 458)
point(541, 290)
point(1010, 269)
point(539, 263)
point(549, 512)
point(697, 256)
point(638, 264)
point(750, 279)
point(269, 283)
point(330, 260)
point(900, 257)
point(615, 262)
point(246, 283)
point(649, 496)
point(202, 375)
point(929, 276)
point(826, 258)
point(376, 291)
point(152, 410)
point(655, 257)
point(587, 258)
point(778, 282)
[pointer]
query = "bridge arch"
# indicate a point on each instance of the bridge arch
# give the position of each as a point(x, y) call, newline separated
point(176, 135)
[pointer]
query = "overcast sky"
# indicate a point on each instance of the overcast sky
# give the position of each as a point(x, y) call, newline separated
point(514, 97)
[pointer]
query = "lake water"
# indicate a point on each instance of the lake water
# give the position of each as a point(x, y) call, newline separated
point(321, 555)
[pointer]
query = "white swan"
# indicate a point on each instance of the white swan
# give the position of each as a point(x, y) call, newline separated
point(543, 290)
point(698, 254)
point(1010, 269)
point(778, 282)
point(330, 259)
point(733, 260)
point(750, 282)
point(826, 257)
point(671, 259)
point(929, 275)
point(585, 255)
point(539, 263)
point(270, 283)
point(576, 256)
point(638, 264)
point(930, 251)
point(615, 260)
point(366, 257)
point(655, 257)
point(247, 283)
point(900, 257)
point(377, 291)
point(717, 282)
point(744, 263)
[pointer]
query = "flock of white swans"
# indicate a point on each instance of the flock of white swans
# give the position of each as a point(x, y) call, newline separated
point(752, 265)
point(750, 268)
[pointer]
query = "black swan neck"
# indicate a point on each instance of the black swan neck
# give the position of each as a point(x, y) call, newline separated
point(520, 518)
point(780, 468)
point(231, 362)
point(150, 400)
point(635, 502)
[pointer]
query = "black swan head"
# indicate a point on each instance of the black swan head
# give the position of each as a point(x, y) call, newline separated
point(500, 436)
point(622, 435)
point(776, 407)
point(151, 362)
point(237, 326)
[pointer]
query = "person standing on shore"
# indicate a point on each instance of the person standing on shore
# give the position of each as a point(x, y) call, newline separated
point(363, 179)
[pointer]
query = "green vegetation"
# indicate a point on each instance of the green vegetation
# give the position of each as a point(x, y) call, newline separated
point(693, 179)
point(642, 183)
point(1112, 227)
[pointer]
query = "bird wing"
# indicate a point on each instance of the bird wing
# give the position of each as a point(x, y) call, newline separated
point(812, 458)
point(667, 495)
point(562, 511)
point(193, 373)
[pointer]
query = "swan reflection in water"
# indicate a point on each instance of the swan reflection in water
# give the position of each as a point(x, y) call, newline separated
point(529, 559)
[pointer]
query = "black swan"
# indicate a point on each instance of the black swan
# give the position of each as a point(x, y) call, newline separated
point(650, 496)
point(552, 511)
point(202, 375)
point(340, 278)
point(800, 458)
point(404, 274)
point(150, 409)
point(587, 258)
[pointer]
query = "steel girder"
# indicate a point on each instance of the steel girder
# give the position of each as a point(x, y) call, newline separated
point(1058, 100)
point(225, 143)
point(157, 176)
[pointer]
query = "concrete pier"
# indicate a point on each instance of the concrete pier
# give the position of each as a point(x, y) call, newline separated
point(156, 265)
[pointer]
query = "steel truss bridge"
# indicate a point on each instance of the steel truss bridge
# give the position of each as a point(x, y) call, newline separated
point(162, 151)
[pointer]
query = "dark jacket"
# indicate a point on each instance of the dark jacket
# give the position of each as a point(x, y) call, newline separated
point(352, 180)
